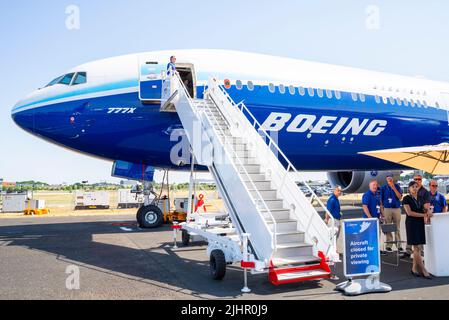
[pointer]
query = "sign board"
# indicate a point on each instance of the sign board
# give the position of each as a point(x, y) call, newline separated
point(361, 247)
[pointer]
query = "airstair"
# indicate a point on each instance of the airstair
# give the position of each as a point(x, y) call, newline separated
point(275, 228)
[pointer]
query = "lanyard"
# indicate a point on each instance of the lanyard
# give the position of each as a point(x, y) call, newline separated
point(417, 203)
point(391, 193)
point(434, 198)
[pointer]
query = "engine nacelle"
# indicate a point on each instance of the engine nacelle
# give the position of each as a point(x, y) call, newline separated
point(358, 181)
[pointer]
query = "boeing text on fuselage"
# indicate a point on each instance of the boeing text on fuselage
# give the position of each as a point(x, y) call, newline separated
point(310, 123)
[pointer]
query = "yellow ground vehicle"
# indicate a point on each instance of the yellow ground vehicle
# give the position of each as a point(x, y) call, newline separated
point(178, 215)
point(35, 207)
point(36, 212)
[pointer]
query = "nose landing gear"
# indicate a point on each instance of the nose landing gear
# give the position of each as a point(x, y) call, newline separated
point(150, 217)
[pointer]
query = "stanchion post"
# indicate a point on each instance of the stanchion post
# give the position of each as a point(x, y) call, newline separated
point(334, 275)
point(175, 233)
point(245, 267)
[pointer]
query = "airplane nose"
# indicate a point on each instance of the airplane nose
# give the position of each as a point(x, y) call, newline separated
point(21, 116)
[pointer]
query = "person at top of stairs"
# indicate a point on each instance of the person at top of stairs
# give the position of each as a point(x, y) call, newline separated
point(171, 65)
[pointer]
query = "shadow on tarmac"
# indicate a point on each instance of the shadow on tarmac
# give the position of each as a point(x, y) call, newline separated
point(152, 259)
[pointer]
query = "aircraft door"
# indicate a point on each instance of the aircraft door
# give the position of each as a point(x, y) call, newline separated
point(151, 74)
point(188, 76)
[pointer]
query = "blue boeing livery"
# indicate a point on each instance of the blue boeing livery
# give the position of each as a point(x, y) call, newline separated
point(321, 115)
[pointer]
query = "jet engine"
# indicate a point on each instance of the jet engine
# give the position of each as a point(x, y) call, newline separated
point(358, 181)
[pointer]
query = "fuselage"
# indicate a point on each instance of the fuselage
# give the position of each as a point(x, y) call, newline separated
point(322, 115)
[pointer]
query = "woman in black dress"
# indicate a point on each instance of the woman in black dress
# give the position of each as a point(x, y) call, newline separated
point(414, 223)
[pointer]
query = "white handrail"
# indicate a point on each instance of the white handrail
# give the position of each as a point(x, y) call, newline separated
point(260, 199)
point(290, 167)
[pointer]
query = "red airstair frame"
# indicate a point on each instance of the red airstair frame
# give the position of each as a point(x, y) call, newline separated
point(275, 271)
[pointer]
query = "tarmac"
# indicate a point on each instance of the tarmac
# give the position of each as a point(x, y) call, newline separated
point(117, 260)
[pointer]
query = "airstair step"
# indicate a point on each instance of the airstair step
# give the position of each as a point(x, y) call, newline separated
point(259, 177)
point(294, 249)
point(299, 276)
point(290, 237)
point(214, 112)
point(264, 193)
point(216, 121)
point(216, 118)
point(224, 134)
point(295, 260)
point(244, 153)
point(294, 245)
point(275, 204)
point(260, 185)
point(220, 123)
point(278, 214)
point(237, 140)
point(212, 108)
point(246, 159)
point(239, 146)
point(283, 225)
point(297, 268)
point(253, 168)
point(228, 134)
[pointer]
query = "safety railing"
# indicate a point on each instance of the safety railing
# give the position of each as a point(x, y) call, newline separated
point(227, 145)
point(286, 183)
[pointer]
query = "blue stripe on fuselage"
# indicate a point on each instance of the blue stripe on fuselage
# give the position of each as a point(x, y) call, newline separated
point(145, 134)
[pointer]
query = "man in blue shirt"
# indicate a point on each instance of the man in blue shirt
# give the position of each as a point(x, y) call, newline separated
point(371, 203)
point(333, 205)
point(391, 197)
point(437, 200)
point(171, 66)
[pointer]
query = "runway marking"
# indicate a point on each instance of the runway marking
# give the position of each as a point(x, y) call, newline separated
point(126, 229)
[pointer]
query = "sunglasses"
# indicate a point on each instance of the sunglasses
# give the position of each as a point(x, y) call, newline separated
point(434, 185)
point(417, 179)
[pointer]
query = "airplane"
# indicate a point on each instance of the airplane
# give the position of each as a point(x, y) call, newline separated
point(322, 115)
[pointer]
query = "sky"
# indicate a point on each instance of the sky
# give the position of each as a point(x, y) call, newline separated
point(38, 43)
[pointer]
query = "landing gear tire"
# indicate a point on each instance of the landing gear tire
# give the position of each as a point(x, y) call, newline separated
point(150, 217)
point(217, 265)
point(185, 238)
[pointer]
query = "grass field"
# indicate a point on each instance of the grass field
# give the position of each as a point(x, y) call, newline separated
point(62, 204)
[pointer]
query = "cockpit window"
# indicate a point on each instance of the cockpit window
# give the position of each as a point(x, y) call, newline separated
point(81, 77)
point(55, 81)
point(67, 79)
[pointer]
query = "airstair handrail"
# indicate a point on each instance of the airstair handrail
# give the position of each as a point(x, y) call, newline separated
point(260, 199)
point(272, 144)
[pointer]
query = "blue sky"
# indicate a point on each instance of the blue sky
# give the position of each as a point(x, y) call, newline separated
point(36, 46)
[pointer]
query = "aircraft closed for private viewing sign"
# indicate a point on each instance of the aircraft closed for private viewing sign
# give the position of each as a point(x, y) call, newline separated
point(361, 247)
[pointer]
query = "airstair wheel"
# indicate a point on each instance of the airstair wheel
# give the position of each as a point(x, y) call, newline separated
point(185, 238)
point(217, 264)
